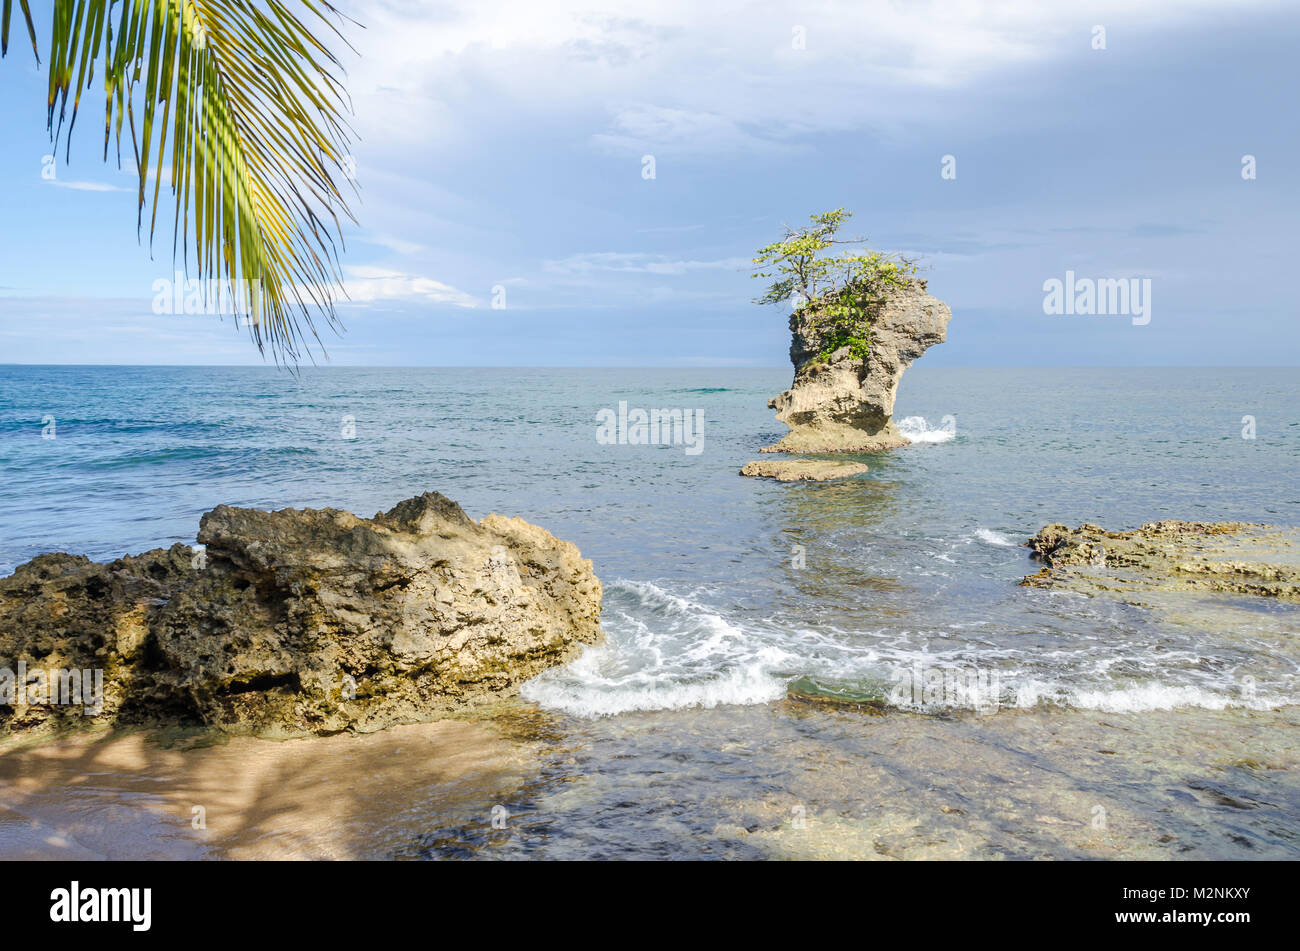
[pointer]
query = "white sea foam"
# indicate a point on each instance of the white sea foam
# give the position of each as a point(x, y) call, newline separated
point(1141, 698)
point(669, 651)
point(918, 430)
point(604, 696)
point(990, 537)
point(665, 652)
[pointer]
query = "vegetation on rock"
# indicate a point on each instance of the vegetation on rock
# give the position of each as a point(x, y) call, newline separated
point(843, 291)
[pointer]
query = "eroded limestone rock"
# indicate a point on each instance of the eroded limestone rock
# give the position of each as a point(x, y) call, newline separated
point(845, 404)
point(309, 621)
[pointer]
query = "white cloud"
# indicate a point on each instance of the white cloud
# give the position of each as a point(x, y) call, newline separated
point(637, 263)
point(83, 186)
point(366, 285)
point(722, 77)
point(398, 245)
point(648, 127)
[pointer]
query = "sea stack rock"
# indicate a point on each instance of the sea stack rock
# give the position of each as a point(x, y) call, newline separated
point(842, 403)
point(304, 621)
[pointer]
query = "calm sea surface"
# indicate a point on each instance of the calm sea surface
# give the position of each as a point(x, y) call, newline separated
point(720, 590)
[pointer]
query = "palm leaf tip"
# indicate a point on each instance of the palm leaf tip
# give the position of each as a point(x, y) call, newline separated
point(5, 13)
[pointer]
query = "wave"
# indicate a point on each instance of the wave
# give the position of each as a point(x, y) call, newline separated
point(67, 425)
point(1142, 698)
point(918, 430)
point(583, 697)
point(968, 689)
point(990, 537)
point(665, 652)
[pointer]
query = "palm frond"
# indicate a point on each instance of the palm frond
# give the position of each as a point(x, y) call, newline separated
point(241, 105)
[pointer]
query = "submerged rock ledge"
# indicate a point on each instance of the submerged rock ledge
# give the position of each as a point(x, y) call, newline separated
point(803, 470)
point(300, 621)
point(1224, 557)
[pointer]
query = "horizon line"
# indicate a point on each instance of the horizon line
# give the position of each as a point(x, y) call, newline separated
point(640, 366)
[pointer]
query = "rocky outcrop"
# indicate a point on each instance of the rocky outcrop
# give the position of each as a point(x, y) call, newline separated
point(1225, 557)
point(305, 621)
point(61, 613)
point(803, 470)
point(842, 403)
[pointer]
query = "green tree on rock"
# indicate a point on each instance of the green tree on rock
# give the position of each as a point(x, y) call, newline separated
point(842, 291)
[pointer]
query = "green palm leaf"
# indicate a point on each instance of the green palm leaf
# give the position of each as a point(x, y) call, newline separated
point(241, 105)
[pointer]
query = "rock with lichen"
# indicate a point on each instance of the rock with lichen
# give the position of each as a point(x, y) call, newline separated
point(312, 621)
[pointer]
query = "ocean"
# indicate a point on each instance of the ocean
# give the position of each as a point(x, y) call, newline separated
point(722, 591)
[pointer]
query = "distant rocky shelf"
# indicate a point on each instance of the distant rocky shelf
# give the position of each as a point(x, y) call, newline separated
point(1213, 557)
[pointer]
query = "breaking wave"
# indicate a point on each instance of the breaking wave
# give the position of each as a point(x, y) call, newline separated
point(918, 430)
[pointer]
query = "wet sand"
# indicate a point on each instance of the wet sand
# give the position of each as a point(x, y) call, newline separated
point(786, 781)
point(125, 796)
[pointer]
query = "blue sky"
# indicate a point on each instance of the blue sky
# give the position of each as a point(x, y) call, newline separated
point(502, 144)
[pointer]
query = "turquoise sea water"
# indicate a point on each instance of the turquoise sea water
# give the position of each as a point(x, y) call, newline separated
point(721, 590)
point(705, 602)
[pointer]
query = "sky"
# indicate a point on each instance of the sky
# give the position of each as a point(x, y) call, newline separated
point(501, 156)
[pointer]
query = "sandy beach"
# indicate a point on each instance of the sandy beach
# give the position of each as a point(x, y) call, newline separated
point(126, 796)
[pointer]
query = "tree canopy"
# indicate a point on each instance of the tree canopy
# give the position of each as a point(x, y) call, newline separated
point(844, 289)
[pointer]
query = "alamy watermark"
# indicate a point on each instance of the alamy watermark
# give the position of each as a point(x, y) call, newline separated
point(1085, 296)
point(76, 903)
point(922, 685)
point(57, 686)
point(654, 427)
point(205, 297)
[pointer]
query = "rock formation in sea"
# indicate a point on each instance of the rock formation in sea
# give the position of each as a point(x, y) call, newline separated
point(1223, 557)
point(841, 402)
point(301, 621)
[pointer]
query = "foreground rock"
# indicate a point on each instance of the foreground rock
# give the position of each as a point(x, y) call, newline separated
point(802, 470)
point(1227, 557)
point(845, 404)
point(303, 621)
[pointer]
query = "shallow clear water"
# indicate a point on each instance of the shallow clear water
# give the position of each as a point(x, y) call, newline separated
point(719, 589)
